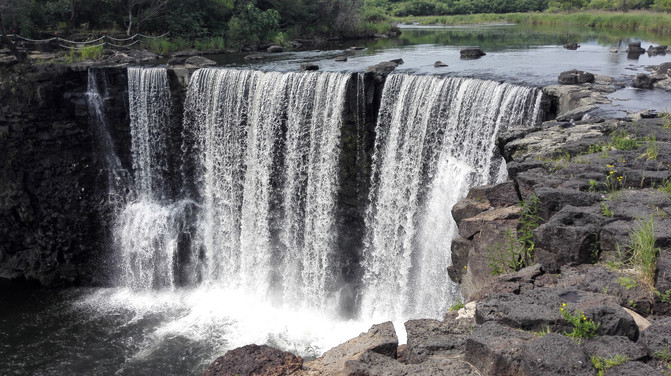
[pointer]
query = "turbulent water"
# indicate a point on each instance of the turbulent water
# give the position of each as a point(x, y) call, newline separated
point(227, 227)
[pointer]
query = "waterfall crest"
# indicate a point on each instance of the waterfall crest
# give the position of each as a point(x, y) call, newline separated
point(435, 139)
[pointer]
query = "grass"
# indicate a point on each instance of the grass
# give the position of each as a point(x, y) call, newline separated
point(602, 364)
point(93, 52)
point(659, 23)
point(652, 148)
point(542, 332)
point(623, 141)
point(644, 253)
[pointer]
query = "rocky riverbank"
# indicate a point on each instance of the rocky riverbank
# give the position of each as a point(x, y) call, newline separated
point(565, 268)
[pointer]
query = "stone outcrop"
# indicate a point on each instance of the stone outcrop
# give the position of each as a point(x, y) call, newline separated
point(253, 360)
point(49, 175)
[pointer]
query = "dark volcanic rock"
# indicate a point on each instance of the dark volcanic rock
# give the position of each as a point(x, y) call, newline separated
point(574, 77)
point(571, 46)
point(657, 338)
point(253, 360)
point(397, 61)
point(427, 338)
point(471, 53)
point(538, 308)
point(570, 236)
point(635, 48)
point(439, 64)
point(496, 349)
point(611, 346)
point(657, 50)
point(643, 81)
point(555, 354)
point(309, 67)
point(632, 369)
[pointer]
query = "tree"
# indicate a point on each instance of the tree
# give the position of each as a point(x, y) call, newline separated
point(139, 11)
point(7, 11)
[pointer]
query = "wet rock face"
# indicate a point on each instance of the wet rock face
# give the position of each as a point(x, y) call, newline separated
point(255, 360)
point(48, 177)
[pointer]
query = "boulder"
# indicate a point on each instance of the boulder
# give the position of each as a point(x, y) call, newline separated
point(471, 53)
point(200, 61)
point(643, 81)
point(383, 68)
point(575, 77)
point(341, 58)
point(571, 46)
point(657, 50)
point(555, 354)
point(611, 346)
point(664, 68)
point(498, 195)
point(373, 364)
point(439, 64)
point(275, 49)
point(397, 61)
point(635, 48)
point(657, 338)
point(632, 369)
point(309, 67)
point(570, 236)
point(539, 308)
point(380, 339)
point(255, 360)
point(428, 338)
point(495, 349)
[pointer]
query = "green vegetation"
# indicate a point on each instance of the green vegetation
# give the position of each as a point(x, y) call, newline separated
point(602, 364)
point(457, 306)
point(542, 332)
point(582, 326)
point(516, 251)
point(91, 53)
point(643, 250)
point(627, 282)
point(622, 141)
point(652, 148)
point(212, 24)
point(606, 210)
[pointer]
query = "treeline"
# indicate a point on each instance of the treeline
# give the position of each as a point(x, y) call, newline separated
point(404, 8)
point(236, 20)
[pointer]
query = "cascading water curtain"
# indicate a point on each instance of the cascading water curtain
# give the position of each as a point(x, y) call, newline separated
point(435, 139)
point(147, 230)
point(266, 170)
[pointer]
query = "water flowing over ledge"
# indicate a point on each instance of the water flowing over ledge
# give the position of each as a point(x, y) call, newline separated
point(242, 202)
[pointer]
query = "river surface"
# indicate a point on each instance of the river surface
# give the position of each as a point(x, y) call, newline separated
point(178, 331)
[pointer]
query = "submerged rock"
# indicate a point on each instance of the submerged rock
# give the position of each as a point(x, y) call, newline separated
point(309, 67)
point(439, 64)
point(571, 46)
point(472, 53)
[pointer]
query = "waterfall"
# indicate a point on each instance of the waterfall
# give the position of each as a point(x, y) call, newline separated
point(267, 147)
point(435, 139)
point(117, 177)
point(256, 208)
point(152, 229)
